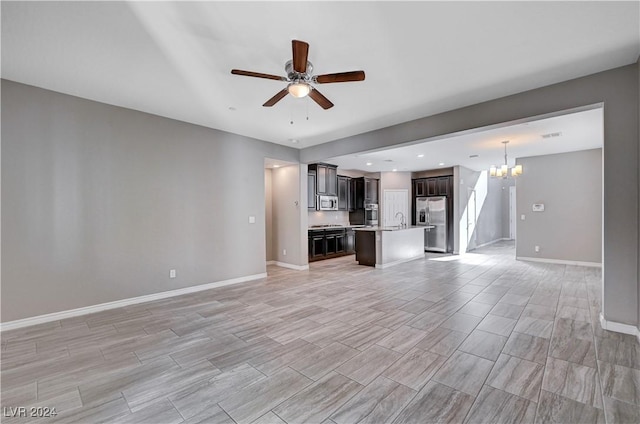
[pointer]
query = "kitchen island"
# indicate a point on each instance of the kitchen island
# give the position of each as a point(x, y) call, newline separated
point(383, 247)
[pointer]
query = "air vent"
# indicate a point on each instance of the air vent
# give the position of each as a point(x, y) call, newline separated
point(388, 160)
point(473, 156)
point(552, 135)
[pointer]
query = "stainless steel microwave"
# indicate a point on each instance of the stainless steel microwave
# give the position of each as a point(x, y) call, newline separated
point(327, 203)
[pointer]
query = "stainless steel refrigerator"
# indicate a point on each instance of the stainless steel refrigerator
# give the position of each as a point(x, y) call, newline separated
point(432, 213)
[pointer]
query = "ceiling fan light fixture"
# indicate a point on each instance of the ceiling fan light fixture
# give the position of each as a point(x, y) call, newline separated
point(299, 89)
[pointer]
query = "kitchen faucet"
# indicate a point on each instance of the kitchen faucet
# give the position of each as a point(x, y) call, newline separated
point(402, 223)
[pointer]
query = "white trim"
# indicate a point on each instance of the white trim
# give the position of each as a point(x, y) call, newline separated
point(560, 261)
point(618, 327)
point(491, 242)
point(398, 262)
point(271, 262)
point(292, 266)
point(55, 316)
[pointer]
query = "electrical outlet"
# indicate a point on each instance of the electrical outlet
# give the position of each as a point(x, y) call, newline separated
point(537, 248)
point(522, 217)
point(172, 273)
point(252, 219)
point(284, 252)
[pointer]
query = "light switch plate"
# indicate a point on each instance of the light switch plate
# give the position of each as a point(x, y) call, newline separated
point(538, 207)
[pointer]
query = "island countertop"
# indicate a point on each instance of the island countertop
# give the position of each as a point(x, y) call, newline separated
point(396, 228)
point(383, 247)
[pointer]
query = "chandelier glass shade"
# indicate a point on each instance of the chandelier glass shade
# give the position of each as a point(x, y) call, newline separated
point(503, 171)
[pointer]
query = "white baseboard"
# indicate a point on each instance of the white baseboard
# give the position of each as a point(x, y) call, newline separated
point(490, 242)
point(619, 327)
point(55, 316)
point(271, 262)
point(292, 266)
point(398, 262)
point(560, 261)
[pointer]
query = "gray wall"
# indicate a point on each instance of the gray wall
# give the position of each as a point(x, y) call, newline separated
point(289, 215)
point(570, 186)
point(99, 202)
point(618, 90)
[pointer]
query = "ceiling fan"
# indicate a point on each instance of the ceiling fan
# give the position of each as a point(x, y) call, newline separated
point(300, 78)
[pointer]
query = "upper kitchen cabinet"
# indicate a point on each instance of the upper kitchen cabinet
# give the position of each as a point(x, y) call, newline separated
point(344, 193)
point(371, 190)
point(420, 187)
point(366, 191)
point(326, 178)
point(443, 185)
point(311, 190)
point(434, 186)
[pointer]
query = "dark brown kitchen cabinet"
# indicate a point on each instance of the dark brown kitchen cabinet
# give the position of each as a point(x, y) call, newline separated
point(352, 195)
point(332, 181)
point(325, 244)
point(366, 254)
point(316, 244)
point(432, 187)
point(370, 190)
point(350, 241)
point(326, 178)
point(365, 191)
point(421, 188)
point(436, 186)
point(311, 190)
point(344, 195)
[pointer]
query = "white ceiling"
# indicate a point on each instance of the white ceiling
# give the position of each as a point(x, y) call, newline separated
point(578, 131)
point(174, 58)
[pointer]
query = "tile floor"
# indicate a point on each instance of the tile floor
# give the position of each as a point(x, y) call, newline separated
point(477, 339)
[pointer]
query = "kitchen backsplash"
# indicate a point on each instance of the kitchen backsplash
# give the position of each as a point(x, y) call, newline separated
point(328, 217)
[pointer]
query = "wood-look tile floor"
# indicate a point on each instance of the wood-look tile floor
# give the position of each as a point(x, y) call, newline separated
point(476, 339)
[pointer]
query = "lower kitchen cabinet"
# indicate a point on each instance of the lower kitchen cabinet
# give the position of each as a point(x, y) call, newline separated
point(350, 239)
point(331, 243)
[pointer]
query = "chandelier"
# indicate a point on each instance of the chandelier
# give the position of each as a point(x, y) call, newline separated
point(503, 170)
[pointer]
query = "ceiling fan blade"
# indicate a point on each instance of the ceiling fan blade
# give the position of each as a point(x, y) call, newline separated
point(257, 75)
point(300, 53)
point(340, 77)
point(320, 99)
point(275, 99)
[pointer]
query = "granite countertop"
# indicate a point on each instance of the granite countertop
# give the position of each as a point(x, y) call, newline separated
point(410, 227)
point(334, 227)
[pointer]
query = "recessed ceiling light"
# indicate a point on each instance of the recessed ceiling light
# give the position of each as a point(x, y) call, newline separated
point(441, 163)
point(394, 169)
point(420, 155)
point(293, 140)
point(369, 164)
point(276, 166)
